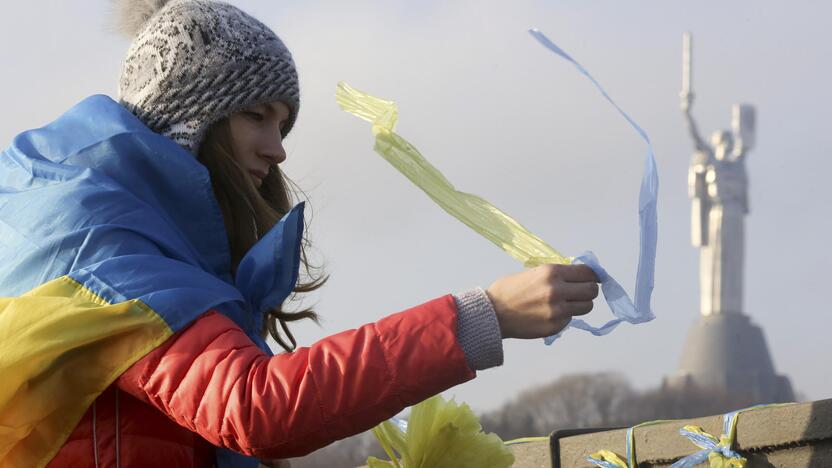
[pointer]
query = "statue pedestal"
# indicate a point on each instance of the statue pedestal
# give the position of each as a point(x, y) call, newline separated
point(724, 350)
point(728, 352)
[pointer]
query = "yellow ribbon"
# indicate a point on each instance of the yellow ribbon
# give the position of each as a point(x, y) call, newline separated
point(524, 440)
point(475, 212)
point(721, 455)
point(610, 458)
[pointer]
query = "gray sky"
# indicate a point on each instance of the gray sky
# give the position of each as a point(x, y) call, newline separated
point(507, 120)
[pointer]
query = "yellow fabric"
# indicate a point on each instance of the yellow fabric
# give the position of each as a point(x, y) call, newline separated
point(718, 460)
point(60, 347)
point(440, 434)
point(478, 214)
point(609, 457)
point(700, 431)
point(523, 440)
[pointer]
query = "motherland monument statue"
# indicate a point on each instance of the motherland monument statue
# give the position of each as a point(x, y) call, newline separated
point(724, 350)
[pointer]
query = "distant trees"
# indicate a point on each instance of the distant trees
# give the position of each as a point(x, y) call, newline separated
point(570, 402)
point(682, 403)
point(573, 401)
point(603, 400)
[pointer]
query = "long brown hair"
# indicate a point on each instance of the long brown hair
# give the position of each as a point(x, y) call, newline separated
point(249, 212)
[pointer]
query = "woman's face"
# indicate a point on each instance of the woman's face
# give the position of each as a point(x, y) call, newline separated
point(256, 138)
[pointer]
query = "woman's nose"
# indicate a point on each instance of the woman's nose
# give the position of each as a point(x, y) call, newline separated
point(273, 151)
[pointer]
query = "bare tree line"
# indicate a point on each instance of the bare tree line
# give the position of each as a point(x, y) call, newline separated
point(602, 400)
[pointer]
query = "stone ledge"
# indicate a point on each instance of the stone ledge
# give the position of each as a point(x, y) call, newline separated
point(795, 435)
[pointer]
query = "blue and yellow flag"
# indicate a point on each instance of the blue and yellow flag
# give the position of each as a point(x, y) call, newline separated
point(111, 241)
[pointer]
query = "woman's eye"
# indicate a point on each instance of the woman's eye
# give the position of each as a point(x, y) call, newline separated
point(254, 115)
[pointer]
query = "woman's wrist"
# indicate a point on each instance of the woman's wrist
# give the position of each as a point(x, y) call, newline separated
point(478, 331)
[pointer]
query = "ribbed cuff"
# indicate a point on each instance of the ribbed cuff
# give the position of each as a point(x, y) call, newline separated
point(477, 330)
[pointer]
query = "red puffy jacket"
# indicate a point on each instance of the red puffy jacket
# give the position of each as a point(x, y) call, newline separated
point(209, 385)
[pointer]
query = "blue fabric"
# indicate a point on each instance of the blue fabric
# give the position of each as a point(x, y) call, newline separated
point(228, 459)
point(270, 268)
point(708, 445)
point(129, 214)
point(624, 309)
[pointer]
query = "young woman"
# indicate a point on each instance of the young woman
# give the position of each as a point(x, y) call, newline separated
point(157, 214)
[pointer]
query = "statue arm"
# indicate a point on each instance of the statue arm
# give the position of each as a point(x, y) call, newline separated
point(694, 132)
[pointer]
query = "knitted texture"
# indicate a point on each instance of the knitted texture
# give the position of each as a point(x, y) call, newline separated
point(478, 331)
point(194, 62)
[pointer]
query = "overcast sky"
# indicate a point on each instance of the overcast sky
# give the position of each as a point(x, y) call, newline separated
point(507, 120)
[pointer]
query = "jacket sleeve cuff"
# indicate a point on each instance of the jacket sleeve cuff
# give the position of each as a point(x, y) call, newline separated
point(478, 331)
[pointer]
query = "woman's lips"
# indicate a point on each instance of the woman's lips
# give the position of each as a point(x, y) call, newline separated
point(258, 175)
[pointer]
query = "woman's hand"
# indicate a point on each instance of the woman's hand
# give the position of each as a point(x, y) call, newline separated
point(541, 301)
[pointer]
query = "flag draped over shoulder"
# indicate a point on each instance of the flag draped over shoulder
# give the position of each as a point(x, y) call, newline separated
point(111, 241)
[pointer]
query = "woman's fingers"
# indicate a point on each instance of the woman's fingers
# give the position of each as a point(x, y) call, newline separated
point(577, 307)
point(576, 273)
point(569, 292)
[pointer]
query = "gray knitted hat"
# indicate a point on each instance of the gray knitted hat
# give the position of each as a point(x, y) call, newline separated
point(194, 62)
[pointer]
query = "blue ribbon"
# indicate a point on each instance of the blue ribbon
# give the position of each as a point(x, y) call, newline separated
point(400, 423)
point(710, 446)
point(624, 309)
point(630, 455)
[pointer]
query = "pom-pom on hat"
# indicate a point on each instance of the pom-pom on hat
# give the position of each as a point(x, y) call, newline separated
point(194, 62)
